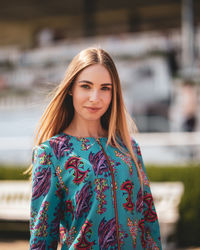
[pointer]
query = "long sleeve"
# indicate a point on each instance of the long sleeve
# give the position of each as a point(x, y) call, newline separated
point(46, 201)
point(150, 226)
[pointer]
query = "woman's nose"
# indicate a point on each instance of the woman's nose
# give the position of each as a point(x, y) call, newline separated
point(94, 95)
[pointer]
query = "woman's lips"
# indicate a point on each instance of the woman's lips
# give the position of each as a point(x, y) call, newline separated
point(91, 109)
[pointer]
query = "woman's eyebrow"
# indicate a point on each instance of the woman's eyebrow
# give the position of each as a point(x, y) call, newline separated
point(86, 81)
point(106, 84)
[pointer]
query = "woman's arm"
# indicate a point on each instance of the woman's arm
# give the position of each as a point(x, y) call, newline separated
point(46, 201)
point(151, 225)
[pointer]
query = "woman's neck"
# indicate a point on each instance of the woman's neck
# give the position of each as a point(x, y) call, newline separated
point(85, 129)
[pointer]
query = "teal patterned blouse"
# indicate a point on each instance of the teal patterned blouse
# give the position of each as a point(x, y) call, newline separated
point(81, 200)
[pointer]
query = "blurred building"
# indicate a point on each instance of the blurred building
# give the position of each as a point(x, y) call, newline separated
point(21, 21)
point(37, 41)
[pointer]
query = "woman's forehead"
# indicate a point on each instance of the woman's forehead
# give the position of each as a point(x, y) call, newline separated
point(94, 71)
point(95, 74)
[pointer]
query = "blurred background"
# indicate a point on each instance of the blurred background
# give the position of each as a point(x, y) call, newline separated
point(156, 47)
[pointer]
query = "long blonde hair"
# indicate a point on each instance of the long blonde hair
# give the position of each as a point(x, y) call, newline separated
point(59, 113)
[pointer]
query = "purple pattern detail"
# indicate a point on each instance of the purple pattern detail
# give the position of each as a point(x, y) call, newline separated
point(139, 203)
point(61, 145)
point(41, 182)
point(40, 245)
point(107, 233)
point(98, 162)
point(83, 200)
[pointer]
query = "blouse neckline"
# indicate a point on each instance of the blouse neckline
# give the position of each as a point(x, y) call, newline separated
point(85, 137)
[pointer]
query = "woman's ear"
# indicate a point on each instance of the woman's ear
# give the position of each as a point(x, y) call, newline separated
point(70, 92)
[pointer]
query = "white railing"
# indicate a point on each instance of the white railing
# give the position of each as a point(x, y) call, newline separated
point(144, 139)
point(169, 139)
point(167, 197)
point(15, 200)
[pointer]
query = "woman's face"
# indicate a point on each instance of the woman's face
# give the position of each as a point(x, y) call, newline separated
point(92, 93)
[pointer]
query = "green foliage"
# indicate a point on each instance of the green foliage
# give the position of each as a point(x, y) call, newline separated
point(188, 226)
point(13, 173)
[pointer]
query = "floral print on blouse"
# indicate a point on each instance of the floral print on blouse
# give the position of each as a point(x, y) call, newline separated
point(84, 202)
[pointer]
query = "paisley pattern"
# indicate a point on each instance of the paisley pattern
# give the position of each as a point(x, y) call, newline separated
point(83, 202)
point(73, 198)
point(107, 233)
point(74, 163)
point(128, 187)
point(139, 202)
point(141, 226)
point(99, 163)
point(100, 189)
point(83, 243)
point(41, 182)
point(61, 145)
point(40, 245)
point(149, 214)
point(41, 228)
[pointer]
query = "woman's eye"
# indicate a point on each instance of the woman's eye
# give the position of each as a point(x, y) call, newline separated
point(106, 88)
point(85, 86)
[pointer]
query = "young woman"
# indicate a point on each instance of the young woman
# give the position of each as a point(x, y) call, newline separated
point(89, 184)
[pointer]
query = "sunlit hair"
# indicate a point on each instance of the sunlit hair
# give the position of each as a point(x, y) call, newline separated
point(59, 113)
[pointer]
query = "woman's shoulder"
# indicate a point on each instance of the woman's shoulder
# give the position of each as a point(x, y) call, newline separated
point(50, 145)
point(134, 141)
point(60, 146)
point(49, 151)
point(58, 138)
point(135, 145)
